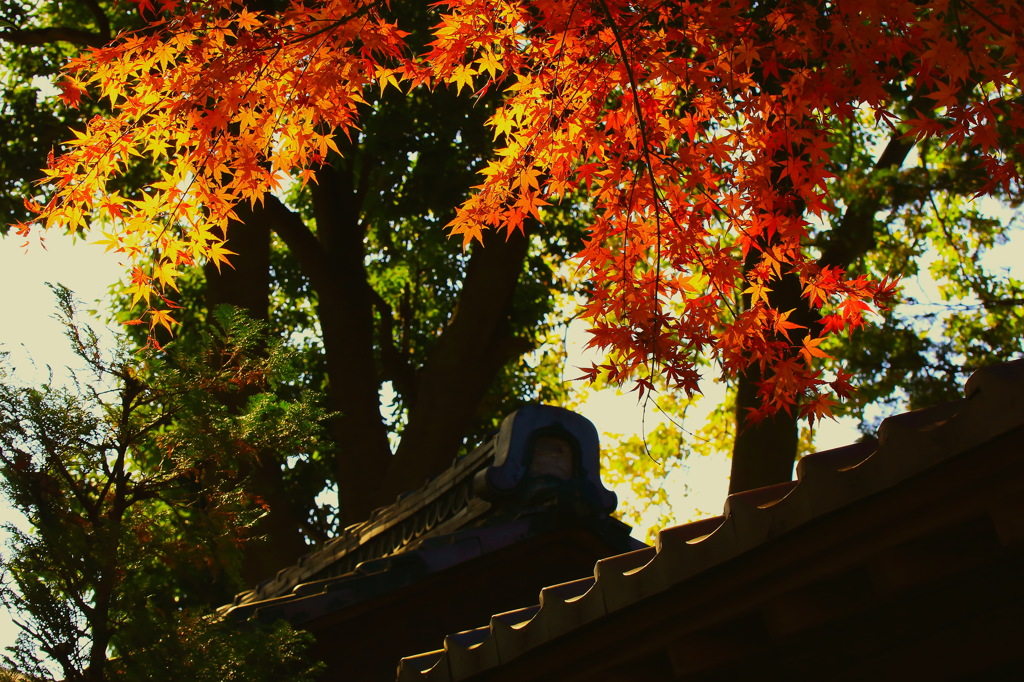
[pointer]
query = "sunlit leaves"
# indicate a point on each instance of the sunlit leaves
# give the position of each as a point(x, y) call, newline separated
point(226, 103)
point(698, 135)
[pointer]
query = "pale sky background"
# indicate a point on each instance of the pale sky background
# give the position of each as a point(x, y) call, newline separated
point(28, 330)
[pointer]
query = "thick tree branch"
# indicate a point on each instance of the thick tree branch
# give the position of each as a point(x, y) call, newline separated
point(54, 34)
point(855, 234)
point(102, 20)
point(394, 365)
point(471, 351)
point(300, 240)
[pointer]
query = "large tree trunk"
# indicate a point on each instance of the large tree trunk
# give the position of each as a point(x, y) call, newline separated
point(455, 377)
point(763, 453)
point(334, 261)
point(345, 311)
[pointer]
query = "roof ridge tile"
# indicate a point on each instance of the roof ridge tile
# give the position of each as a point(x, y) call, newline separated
point(467, 650)
point(505, 628)
point(415, 667)
point(620, 589)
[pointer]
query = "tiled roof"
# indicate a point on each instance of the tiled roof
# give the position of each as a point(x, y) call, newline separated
point(540, 466)
point(855, 495)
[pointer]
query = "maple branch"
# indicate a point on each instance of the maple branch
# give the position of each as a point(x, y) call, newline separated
point(54, 34)
point(648, 166)
point(102, 20)
point(989, 20)
point(396, 368)
point(341, 21)
point(989, 302)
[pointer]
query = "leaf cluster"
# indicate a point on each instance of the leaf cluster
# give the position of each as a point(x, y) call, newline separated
point(701, 136)
point(37, 39)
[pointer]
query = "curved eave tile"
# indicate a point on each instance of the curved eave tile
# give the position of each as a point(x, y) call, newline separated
point(430, 663)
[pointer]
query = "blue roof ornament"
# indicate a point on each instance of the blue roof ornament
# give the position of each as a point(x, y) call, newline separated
point(543, 441)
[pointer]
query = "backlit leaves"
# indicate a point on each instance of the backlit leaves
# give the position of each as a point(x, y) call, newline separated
point(696, 134)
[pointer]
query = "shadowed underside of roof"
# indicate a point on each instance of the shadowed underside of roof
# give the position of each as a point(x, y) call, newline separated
point(525, 509)
point(907, 550)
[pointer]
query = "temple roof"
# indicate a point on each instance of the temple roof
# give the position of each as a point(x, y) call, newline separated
point(532, 491)
point(907, 539)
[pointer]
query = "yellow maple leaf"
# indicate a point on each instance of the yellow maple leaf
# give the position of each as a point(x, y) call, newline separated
point(217, 254)
point(462, 75)
point(490, 63)
point(161, 317)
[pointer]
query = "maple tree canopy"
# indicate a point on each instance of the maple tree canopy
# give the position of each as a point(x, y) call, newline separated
point(696, 135)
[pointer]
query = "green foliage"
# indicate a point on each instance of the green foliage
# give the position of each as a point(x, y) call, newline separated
point(959, 308)
point(33, 121)
point(132, 490)
point(202, 649)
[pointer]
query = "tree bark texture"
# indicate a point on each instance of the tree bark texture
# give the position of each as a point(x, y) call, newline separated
point(455, 376)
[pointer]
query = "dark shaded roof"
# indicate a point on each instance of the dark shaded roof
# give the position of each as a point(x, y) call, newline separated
point(901, 555)
point(523, 510)
point(485, 500)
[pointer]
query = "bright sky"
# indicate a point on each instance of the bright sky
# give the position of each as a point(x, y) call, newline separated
point(28, 329)
point(706, 478)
